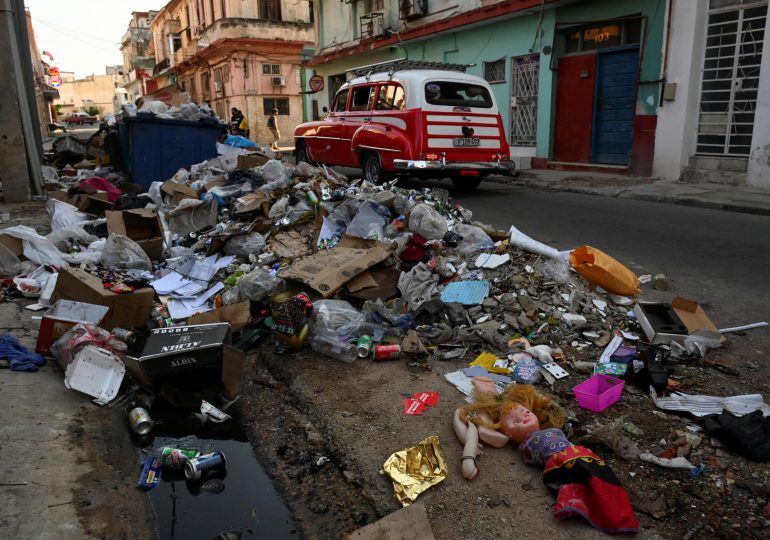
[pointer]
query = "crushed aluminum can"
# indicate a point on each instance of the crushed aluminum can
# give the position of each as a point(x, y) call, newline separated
point(196, 468)
point(175, 458)
point(140, 420)
point(364, 346)
point(266, 258)
point(150, 475)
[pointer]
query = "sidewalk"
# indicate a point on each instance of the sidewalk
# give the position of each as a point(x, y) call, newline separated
point(740, 198)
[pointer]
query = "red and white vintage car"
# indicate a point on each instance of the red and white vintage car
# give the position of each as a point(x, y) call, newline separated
point(428, 123)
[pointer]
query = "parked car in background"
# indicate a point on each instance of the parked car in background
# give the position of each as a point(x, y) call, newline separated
point(397, 118)
point(81, 118)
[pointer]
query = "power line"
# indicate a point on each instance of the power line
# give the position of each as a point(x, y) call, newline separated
point(65, 29)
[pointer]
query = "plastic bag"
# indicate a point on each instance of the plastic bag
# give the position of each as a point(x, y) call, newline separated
point(61, 237)
point(63, 215)
point(369, 222)
point(276, 171)
point(122, 253)
point(49, 174)
point(557, 270)
point(279, 209)
point(66, 347)
point(335, 318)
point(155, 194)
point(155, 107)
point(427, 222)
point(255, 286)
point(245, 244)
point(37, 249)
point(297, 211)
point(474, 239)
point(600, 269)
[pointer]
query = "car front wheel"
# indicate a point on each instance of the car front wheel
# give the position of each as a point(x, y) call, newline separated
point(373, 171)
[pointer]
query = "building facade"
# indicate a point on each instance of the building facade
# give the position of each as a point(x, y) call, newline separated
point(715, 113)
point(100, 91)
point(577, 82)
point(231, 53)
point(45, 94)
point(137, 48)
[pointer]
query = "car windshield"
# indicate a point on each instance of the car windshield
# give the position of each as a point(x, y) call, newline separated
point(457, 94)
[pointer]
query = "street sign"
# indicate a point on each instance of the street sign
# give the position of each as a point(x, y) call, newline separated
point(316, 83)
point(55, 82)
point(53, 71)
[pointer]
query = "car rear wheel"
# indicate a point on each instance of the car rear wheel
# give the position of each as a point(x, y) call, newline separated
point(373, 171)
point(302, 153)
point(466, 183)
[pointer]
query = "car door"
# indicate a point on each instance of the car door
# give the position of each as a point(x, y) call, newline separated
point(322, 144)
point(359, 113)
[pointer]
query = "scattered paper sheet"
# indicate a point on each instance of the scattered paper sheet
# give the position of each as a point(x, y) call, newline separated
point(491, 260)
point(203, 298)
point(700, 405)
point(178, 310)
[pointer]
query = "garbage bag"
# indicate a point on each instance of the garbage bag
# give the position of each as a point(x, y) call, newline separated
point(276, 171)
point(10, 265)
point(155, 107)
point(473, 239)
point(279, 209)
point(600, 269)
point(369, 222)
point(76, 338)
point(427, 222)
point(255, 286)
point(61, 237)
point(49, 174)
point(122, 253)
point(103, 185)
point(37, 249)
point(335, 318)
point(748, 434)
point(63, 214)
point(245, 244)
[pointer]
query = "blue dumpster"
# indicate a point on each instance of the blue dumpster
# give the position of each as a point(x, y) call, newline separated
point(154, 149)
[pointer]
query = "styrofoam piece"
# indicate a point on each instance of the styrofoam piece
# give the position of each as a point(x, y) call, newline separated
point(95, 372)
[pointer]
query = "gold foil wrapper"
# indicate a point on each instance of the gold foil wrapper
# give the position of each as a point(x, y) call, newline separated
point(415, 469)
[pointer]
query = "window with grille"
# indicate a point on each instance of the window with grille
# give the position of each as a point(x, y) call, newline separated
point(205, 83)
point(525, 73)
point(373, 5)
point(495, 71)
point(730, 80)
point(271, 69)
point(280, 103)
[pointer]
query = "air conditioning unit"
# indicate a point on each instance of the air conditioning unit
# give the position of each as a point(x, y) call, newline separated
point(279, 81)
point(217, 87)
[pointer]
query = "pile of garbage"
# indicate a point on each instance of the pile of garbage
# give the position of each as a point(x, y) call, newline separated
point(188, 276)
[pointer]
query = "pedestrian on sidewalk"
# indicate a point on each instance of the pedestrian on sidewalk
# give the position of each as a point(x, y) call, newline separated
point(272, 124)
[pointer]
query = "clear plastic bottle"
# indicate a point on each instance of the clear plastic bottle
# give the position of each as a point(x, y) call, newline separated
point(334, 347)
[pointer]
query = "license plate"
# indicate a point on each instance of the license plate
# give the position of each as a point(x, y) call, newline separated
point(467, 141)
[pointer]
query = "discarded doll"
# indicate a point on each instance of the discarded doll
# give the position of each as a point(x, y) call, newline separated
point(585, 484)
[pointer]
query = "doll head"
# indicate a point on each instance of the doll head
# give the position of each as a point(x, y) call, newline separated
point(519, 422)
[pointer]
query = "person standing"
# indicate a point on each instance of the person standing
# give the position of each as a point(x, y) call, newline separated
point(272, 124)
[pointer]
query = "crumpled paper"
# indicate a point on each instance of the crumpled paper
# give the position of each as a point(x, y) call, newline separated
point(415, 469)
point(610, 436)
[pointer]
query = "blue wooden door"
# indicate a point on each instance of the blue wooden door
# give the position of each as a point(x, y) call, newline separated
point(614, 104)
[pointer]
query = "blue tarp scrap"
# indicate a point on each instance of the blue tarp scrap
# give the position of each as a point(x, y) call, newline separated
point(468, 293)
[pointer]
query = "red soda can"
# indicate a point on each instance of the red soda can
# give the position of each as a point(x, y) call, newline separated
point(387, 352)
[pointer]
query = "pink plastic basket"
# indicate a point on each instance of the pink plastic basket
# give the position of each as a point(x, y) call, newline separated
point(598, 392)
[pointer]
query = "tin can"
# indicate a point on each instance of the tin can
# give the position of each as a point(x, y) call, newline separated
point(124, 335)
point(195, 468)
point(326, 193)
point(387, 352)
point(312, 198)
point(364, 346)
point(177, 457)
point(140, 420)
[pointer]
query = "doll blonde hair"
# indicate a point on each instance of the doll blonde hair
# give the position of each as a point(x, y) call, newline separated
point(495, 406)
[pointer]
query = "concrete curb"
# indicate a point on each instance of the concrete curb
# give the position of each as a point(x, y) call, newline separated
point(651, 196)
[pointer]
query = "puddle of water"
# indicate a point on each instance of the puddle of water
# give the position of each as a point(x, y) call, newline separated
point(240, 499)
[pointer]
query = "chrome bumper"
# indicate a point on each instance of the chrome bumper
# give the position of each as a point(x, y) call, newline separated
point(500, 166)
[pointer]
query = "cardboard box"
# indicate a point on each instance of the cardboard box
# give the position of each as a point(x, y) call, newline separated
point(94, 203)
point(141, 225)
point(237, 315)
point(202, 217)
point(327, 271)
point(180, 349)
point(62, 316)
point(249, 161)
point(664, 323)
point(178, 191)
point(126, 310)
point(14, 245)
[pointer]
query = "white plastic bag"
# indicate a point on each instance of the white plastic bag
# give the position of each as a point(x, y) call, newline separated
point(10, 265)
point(335, 318)
point(369, 222)
point(474, 239)
point(122, 253)
point(427, 222)
point(63, 215)
point(37, 249)
point(60, 237)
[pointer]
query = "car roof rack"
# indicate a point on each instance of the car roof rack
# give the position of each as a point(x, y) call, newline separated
point(402, 64)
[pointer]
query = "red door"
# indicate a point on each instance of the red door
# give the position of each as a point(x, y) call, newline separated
point(574, 108)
